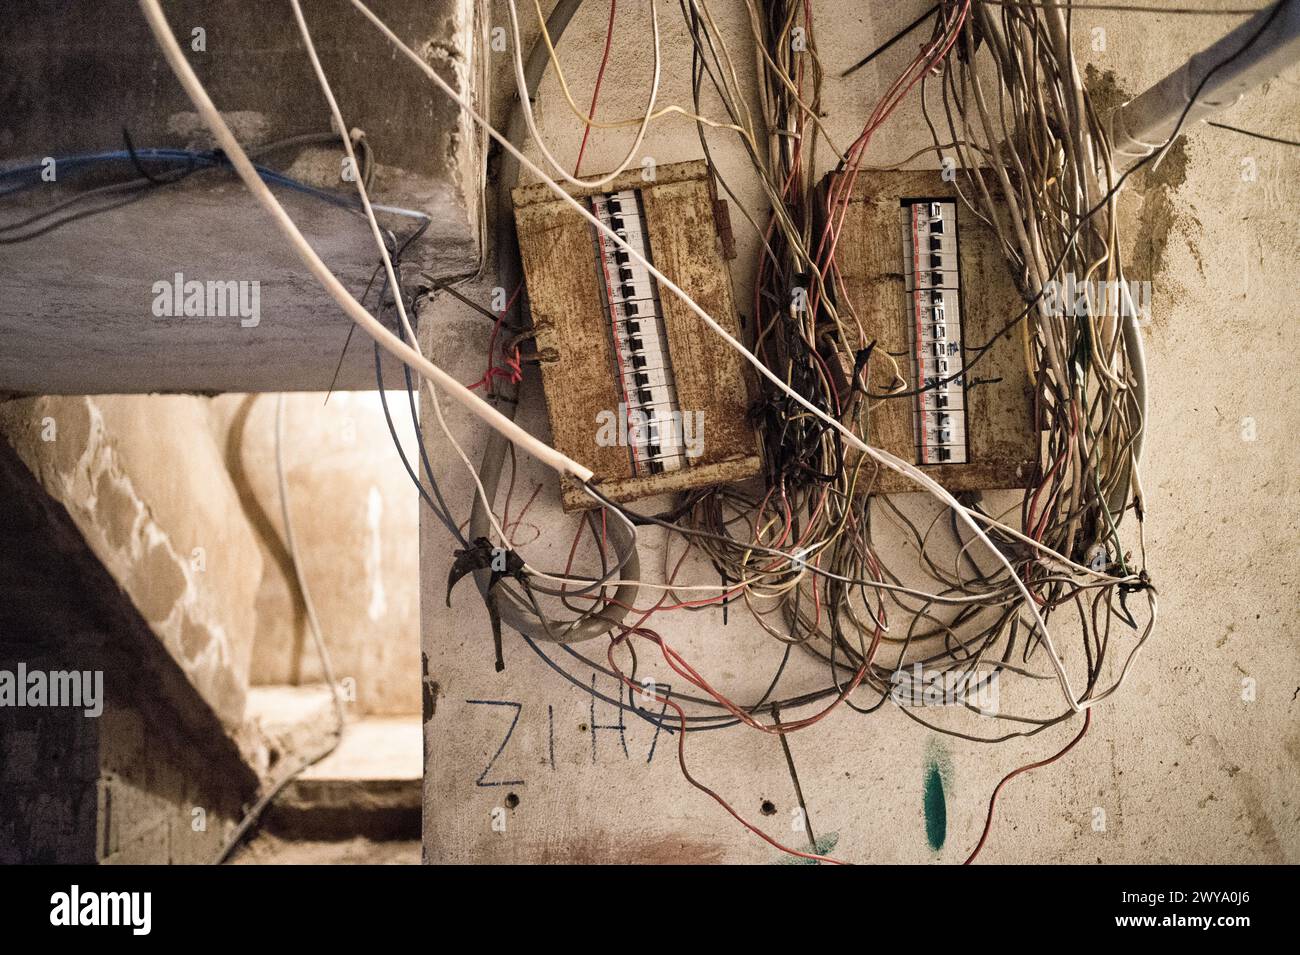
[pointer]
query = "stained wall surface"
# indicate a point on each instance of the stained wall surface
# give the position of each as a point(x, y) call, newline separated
point(178, 498)
point(1196, 760)
point(354, 517)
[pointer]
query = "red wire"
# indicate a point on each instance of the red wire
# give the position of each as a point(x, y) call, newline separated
point(512, 371)
point(838, 201)
point(681, 758)
point(988, 820)
point(595, 93)
point(512, 527)
point(929, 57)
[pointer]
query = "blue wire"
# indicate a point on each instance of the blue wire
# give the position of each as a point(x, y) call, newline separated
point(187, 157)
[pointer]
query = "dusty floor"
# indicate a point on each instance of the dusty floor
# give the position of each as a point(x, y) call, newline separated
point(268, 850)
point(1196, 761)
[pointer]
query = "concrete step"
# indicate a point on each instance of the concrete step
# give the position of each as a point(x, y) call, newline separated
point(294, 721)
point(369, 786)
point(267, 849)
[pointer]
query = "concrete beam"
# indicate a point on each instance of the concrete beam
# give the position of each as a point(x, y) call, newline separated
point(77, 303)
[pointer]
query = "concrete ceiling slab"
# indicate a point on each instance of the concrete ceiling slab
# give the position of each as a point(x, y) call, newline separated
point(77, 304)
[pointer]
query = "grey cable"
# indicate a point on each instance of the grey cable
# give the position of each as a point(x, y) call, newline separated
point(515, 611)
point(313, 621)
point(327, 666)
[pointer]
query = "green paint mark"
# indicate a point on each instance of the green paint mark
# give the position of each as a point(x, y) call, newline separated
point(825, 844)
point(936, 809)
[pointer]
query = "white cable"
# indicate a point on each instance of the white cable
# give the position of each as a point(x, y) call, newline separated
point(882, 457)
point(391, 343)
point(290, 545)
point(194, 88)
point(526, 105)
point(389, 271)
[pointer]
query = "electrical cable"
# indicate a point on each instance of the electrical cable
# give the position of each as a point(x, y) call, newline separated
point(213, 119)
point(1254, 135)
point(256, 812)
point(804, 556)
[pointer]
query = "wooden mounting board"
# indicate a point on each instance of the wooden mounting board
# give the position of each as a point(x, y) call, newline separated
point(577, 353)
point(1003, 439)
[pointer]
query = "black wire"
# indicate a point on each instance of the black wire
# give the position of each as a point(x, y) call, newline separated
point(139, 193)
point(891, 41)
point(1101, 203)
point(139, 166)
point(1252, 134)
point(438, 512)
point(466, 300)
point(440, 508)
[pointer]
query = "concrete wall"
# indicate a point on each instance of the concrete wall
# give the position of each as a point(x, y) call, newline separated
point(117, 773)
point(354, 516)
point(170, 507)
point(146, 485)
point(161, 796)
point(178, 497)
point(119, 788)
point(1184, 766)
point(49, 769)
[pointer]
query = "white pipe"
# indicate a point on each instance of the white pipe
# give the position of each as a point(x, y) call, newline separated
point(1145, 123)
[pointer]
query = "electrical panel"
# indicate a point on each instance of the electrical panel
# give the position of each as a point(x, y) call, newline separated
point(637, 387)
point(932, 282)
point(928, 283)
